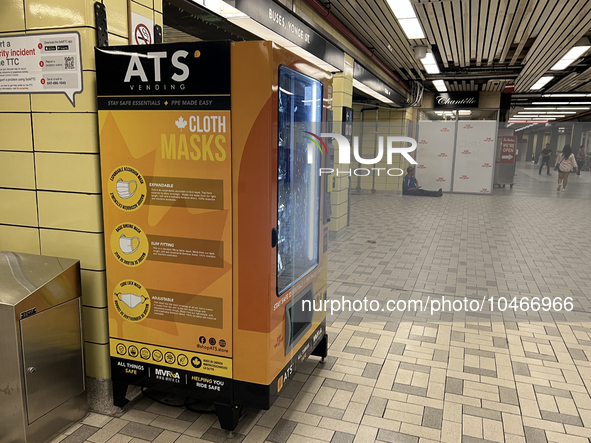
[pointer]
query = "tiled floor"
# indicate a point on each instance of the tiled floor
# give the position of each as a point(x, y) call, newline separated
point(414, 377)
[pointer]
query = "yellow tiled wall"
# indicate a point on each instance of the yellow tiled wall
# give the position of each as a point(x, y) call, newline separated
point(370, 124)
point(50, 200)
point(342, 97)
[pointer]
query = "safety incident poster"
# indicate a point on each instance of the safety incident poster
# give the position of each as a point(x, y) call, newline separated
point(164, 119)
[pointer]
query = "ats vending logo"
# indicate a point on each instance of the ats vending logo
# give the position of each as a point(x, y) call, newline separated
point(487, 165)
point(488, 139)
point(136, 69)
point(443, 154)
point(423, 142)
point(421, 167)
point(468, 127)
point(440, 179)
point(466, 152)
point(344, 156)
point(484, 191)
point(464, 177)
point(444, 130)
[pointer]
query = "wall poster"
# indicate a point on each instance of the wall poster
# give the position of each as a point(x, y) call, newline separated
point(165, 126)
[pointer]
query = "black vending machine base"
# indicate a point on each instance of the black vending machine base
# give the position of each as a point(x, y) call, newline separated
point(228, 405)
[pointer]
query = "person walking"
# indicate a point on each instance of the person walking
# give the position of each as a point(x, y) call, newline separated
point(565, 162)
point(581, 157)
point(410, 186)
point(545, 154)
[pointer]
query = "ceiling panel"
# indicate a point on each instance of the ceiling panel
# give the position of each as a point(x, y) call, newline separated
point(470, 38)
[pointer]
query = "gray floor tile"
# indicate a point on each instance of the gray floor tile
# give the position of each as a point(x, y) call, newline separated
point(376, 406)
point(535, 435)
point(396, 437)
point(432, 417)
point(561, 418)
point(282, 431)
point(454, 385)
point(138, 430)
point(81, 434)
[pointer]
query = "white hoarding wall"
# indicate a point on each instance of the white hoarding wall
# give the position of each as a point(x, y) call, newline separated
point(435, 147)
point(475, 156)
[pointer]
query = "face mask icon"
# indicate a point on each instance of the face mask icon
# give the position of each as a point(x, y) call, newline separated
point(124, 189)
point(126, 244)
point(131, 300)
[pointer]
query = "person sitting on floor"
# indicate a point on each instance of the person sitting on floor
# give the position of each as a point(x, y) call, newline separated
point(410, 185)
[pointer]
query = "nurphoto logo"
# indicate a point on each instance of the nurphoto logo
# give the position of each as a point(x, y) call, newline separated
point(344, 154)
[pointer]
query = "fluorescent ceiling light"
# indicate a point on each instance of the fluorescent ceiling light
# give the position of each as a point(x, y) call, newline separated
point(550, 103)
point(465, 112)
point(405, 14)
point(570, 57)
point(542, 82)
point(561, 65)
point(412, 28)
point(537, 109)
point(570, 109)
point(440, 85)
point(402, 9)
point(430, 64)
point(565, 95)
point(579, 103)
point(558, 111)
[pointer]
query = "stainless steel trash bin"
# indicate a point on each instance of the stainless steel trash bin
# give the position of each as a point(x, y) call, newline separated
point(42, 388)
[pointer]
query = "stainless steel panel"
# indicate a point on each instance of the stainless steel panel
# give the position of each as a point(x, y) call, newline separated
point(12, 425)
point(504, 173)
point(58, 420)
point(22, 274)
point(52, 356)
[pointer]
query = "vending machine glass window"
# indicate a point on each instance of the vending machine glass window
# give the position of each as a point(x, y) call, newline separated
point(298, 187)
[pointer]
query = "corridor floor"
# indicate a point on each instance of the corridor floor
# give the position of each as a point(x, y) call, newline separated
point(471, 375)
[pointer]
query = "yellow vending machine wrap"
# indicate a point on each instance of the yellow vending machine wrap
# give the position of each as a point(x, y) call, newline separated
point(215, 233)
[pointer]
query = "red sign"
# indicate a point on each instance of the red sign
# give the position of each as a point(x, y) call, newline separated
point(508, 145)
point(142, 35)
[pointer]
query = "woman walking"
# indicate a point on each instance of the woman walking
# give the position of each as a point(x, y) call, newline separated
point(565, 162)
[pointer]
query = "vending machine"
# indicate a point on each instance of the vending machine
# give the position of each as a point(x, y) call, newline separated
point(215, 229)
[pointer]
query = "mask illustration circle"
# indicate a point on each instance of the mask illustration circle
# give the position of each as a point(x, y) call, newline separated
point(126, 244)
point(129, 244)
point(127, 188)
point(132, 301)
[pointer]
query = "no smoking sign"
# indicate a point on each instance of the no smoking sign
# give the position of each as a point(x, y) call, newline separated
point(142, 35)
point(141, 29)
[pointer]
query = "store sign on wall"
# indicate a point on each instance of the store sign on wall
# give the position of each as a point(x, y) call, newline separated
point(41, 64)
point(456, 100)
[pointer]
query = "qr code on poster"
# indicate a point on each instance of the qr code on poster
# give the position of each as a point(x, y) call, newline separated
point(69, 63)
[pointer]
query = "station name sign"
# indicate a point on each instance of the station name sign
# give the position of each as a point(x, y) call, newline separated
point(284, 23)
point(451, 100)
